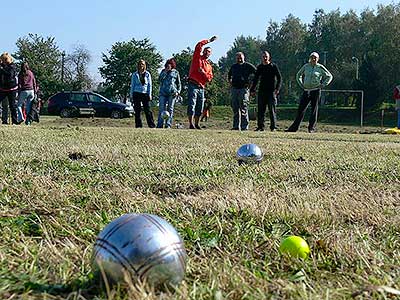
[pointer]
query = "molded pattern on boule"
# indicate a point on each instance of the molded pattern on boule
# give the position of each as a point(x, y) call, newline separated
point(144, 246)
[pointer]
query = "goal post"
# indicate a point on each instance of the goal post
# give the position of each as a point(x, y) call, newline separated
point(361, 92)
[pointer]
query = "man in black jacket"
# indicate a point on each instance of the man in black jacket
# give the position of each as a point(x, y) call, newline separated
point(239, 77)
point(270, 82)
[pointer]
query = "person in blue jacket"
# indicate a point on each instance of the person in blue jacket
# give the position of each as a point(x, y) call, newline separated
point(170, 88)
point(141, 94)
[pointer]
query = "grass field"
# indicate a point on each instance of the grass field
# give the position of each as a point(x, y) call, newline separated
point(338, 189)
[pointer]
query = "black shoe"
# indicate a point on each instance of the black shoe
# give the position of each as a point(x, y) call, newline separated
point(259, 129)
point(192, 127)
point(290, 130)
point(234, 128)
point(197, 127)
point(311, 130)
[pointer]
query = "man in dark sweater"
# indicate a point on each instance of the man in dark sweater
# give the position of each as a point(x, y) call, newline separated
point(239, 77)
point(270, 82)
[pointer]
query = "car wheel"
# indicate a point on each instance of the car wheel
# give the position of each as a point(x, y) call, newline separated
point(65, 113)
point(116, 114)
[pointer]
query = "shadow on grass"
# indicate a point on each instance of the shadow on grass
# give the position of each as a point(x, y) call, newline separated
point(88, 288)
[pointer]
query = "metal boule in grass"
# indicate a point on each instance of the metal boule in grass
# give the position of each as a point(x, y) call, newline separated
point(249, 153)
point(294, 246)
point(165, 115)
point(143, 247)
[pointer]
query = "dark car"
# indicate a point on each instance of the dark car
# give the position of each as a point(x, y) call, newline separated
point(73, 104)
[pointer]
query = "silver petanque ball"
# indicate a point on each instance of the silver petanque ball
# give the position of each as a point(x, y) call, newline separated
point(142, 246)
point(249, 153)
point(165, 115)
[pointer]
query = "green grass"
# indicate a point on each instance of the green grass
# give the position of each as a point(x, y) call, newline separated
point(343, 197)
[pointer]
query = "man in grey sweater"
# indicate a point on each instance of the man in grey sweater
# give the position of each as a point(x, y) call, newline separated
point(312, 77)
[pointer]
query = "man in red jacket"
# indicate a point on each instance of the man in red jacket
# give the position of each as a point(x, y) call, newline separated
point(200, 74)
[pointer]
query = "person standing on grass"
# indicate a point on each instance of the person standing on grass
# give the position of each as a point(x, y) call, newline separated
point(270, 82)
point(312, 77)
point(170, 88)
point(396, 96)
point(239, 77)
point(140, 93)
point(8, 88)
point(27, 91)
point(200, 74)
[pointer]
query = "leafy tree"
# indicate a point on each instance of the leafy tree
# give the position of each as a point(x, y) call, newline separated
point(250, 46)
point(285, 42)
point(44, 58)
point(121, 62)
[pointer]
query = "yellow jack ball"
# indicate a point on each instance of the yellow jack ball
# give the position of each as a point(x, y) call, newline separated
point(294, 246)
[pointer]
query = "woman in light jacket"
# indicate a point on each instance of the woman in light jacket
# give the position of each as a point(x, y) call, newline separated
point(140, 93)
point(312, 77)
point(170, 87)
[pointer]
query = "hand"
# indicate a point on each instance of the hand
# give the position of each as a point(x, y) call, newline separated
point(150, 97)
point(212, 39)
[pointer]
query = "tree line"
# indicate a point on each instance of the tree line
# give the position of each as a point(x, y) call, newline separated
point(361, 50)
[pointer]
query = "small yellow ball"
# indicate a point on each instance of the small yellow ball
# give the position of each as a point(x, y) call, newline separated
point(295, 246)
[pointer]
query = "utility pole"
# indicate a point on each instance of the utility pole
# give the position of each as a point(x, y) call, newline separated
point(355, 59)
point(62, 66)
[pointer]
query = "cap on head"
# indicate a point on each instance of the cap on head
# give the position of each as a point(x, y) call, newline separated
point(315, 54)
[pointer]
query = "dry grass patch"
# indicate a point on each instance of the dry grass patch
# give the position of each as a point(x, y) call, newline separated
point(339, 191)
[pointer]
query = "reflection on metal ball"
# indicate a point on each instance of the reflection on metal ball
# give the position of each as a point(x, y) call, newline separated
point(142, 246)
point(249, 153)
point(165, 115)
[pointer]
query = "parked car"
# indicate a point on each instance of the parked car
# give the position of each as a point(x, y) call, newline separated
point(74, 104)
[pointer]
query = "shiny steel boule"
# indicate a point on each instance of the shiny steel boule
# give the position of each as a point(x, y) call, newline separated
point(249, 153)
point(142, 246)
point(165, 115)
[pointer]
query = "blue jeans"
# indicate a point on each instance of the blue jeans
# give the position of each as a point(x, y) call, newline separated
point(24, 98)
point(165, 103)
point(195, 100)
point(239, 103)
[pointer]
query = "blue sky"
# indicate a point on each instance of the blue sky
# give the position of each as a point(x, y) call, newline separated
point(170, 25)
